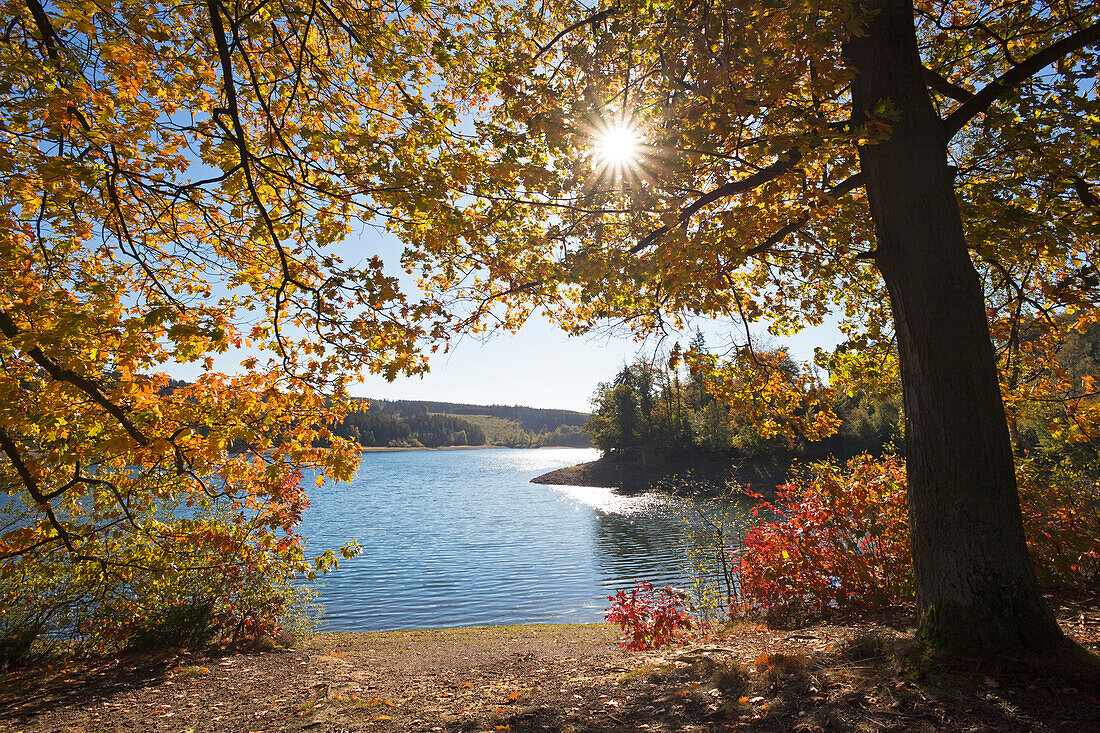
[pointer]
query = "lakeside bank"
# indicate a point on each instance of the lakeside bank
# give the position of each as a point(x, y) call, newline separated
point(554, 678)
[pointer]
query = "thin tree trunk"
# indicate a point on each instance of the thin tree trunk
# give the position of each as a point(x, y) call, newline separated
point(976, 591)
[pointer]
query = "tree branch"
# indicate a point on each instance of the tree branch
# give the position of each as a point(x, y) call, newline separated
point(846, 186)
point(1084, 192)
point(245, 158)
point(594, 18)
point(12, 450)
point(946, 87)
point(1006, 82)
point(45, 27)
point(785, 163)
point(86, 385)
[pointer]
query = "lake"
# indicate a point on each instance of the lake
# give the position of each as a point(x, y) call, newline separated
point(461, 538)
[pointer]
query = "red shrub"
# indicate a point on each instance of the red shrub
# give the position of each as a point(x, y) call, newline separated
point(1061, 509)
point(839, 540)
point(839, 543)
point(650, 617)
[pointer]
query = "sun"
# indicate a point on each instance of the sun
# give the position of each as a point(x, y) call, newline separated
point(618, 146)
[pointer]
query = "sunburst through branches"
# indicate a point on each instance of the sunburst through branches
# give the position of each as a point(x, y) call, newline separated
point(618, 149)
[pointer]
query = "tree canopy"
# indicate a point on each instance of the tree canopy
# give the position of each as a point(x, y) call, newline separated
point(744, 193)
point(925, 169)
point(177, 179)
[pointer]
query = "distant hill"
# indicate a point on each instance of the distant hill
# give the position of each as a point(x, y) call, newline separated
point(415, 423)
point(532, 419)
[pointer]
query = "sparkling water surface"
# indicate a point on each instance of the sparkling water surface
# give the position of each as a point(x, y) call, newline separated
point(461, 538)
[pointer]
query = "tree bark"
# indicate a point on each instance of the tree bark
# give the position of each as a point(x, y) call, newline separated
point(976, 591)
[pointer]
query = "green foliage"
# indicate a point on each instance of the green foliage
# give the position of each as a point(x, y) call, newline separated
point(644, 412)
point(303, 612)
point(774, 410)
point(869, 423)
point(572, 436)
point(714, 533)
point(500, 431)
point(434, 430)
point(408, 423)
point(529, 419)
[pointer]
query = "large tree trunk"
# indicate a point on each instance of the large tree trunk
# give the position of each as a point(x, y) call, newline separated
point(976, 591)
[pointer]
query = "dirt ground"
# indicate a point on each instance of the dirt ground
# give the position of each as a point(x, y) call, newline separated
point(860, 677)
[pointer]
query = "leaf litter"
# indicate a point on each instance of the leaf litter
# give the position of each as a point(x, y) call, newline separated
point(750, 677)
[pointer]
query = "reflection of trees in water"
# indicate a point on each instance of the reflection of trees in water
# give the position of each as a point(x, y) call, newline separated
point(666, 544)
point(644, 546)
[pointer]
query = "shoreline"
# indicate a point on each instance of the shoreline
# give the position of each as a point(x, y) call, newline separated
point(551, 677)
point(400, 448)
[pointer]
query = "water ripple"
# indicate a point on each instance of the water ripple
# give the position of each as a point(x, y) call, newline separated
point(456, 538)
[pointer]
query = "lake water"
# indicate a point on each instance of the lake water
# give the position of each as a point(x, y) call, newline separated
point(459, 538)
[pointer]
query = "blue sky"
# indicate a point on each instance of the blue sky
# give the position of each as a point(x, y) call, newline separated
point(540, 366)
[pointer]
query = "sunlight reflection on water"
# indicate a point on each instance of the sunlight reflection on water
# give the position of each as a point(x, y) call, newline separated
point(607, 501)
point(457, 538)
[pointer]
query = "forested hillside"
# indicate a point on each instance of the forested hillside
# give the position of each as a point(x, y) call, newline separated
point(531, 419)
point(414, 424)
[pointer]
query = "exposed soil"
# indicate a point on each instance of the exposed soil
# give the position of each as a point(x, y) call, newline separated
point(863, 677)
point(628, 475)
